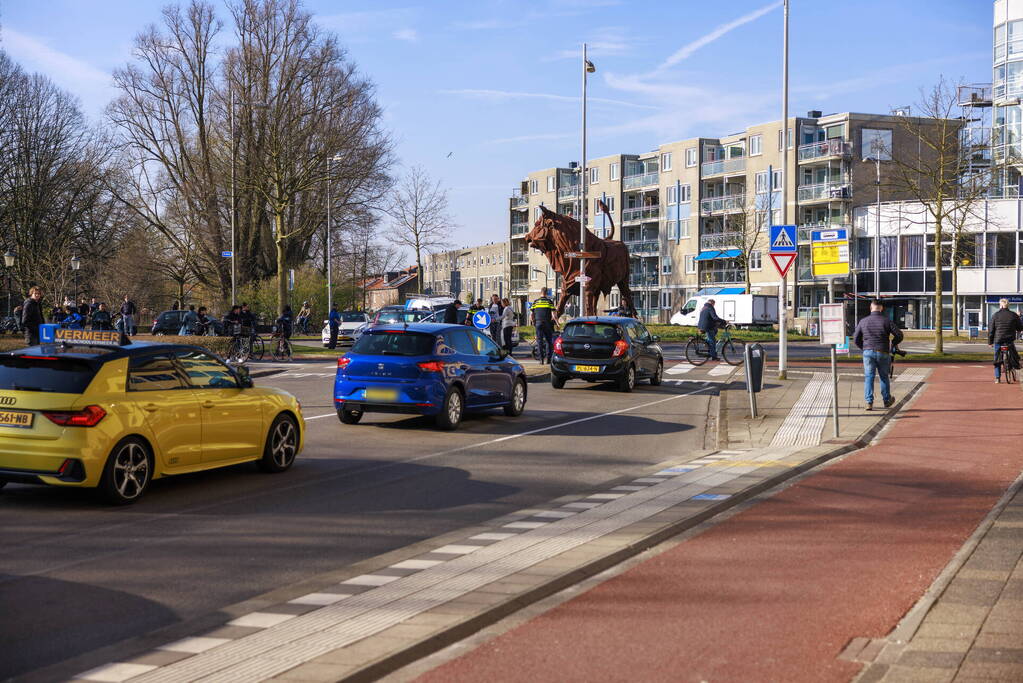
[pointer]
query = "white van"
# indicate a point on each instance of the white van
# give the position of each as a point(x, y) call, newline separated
point(739, 309)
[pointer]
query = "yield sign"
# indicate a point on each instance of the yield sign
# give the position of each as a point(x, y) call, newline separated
point(783, 262)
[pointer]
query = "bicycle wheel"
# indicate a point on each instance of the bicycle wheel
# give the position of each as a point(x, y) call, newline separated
point(733, 351)
point(1011, 375)
point(236, 352)
point(257, 351)
point(696, 352)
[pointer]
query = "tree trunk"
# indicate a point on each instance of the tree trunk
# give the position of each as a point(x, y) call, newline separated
point(282, 285)
point(419, 269)
point(939, 346)
point(956, 322)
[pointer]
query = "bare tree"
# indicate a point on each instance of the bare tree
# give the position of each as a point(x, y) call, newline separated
point(420, 218)
point(930, 168)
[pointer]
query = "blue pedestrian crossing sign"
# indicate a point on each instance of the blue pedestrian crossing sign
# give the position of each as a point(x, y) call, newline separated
point(481, 320)
point(783, 239)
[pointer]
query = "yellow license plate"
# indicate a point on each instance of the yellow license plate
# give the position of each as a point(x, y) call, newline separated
point(587, 368)
point(381, 395)
point(15, 418)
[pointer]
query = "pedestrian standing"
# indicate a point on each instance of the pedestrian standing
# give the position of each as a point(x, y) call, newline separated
point(101, 318)
point(495, 310)
point(474, 308)
point(1003, 328)
point(32, 315)
point(872, 335)
point(72, 319)
point(128, 316)
point(451, 312)
point(507, 325)
point(334, 323)
point(541, 314)
point(188, 321)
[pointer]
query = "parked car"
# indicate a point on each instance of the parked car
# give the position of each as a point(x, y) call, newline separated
point(389, 315)
point(607, 349)
point(350, 321)
point(739, 309)
point(168, 322)
point(427, 369)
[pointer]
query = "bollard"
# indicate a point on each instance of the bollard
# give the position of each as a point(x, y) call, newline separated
point(755, 359)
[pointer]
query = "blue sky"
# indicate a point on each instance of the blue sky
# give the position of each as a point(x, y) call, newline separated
point(495, 83)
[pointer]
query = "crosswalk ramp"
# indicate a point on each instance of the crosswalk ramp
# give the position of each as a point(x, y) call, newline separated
point(709, 372)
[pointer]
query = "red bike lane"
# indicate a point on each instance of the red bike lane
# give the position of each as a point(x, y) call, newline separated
point(776, 592)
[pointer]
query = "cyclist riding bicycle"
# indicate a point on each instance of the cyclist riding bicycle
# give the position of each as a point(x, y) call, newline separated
point(1002, 330)
point(283, 325)
point(708, 324)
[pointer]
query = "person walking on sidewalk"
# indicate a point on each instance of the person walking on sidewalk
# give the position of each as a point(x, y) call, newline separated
point(32, 315)
point(709, 323)
point(128, 316)
point(1002, 330)
point(507, 325)
point(872, 336)
point(541, 315)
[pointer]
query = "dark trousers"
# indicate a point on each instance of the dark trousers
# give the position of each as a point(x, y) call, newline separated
point(545, 340)
point(31, 335)
point(333, 337)
point(508, 339)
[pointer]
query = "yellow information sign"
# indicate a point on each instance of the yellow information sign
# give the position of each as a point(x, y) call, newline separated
point(830, 258)
point(89, 337)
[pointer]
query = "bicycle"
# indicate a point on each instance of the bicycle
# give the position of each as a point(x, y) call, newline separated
point(729, 348)
point(1011, 373)
point(258, 347)
point(281, 347)
point(241, 344)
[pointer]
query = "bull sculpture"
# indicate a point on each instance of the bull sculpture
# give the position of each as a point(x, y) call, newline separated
point(556, 235)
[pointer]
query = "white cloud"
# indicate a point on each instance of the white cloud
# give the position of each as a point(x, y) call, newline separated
point(504, 95)
point(92, 85)
point(687, 50)
point(362, 27)
point(409, 35)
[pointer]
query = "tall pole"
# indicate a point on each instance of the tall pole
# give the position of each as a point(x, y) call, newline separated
point(330, 244)
point(877, 225)
point(582, 203)
point(783, 351)
point(233, 153)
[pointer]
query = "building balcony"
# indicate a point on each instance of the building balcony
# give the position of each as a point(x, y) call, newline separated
point(644, 247)
point(520, 285)
point(568, 192)
point(633, 182)
point(823, 149)
point(644, 280)
point(824, 192)
point(722, 276)
point(731, 202)
point(723, 166)
point(641, 213)
point(519, 256)
point(721, 240)
point(519, 228)
point(519, 202)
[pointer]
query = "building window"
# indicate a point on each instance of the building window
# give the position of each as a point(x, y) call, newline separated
point(595, 175)
point(537, 213)
point(756, 143)
point(776, 180)
point(534, 186)
point(686, 192)
point(672, 230)
point(670, 194)
point(609, 201)
point(666, 265)
point(550, 183)
point(889, 253)
point(612, 171)
point(690, 263)
point(779, 140)
point(666, 161)
point(691, 157)
point(683, 232)
point(755, 260)
point(532, 273)
point(876, 143)
point(665, 299)
point(1001, 249)
point(761, 182)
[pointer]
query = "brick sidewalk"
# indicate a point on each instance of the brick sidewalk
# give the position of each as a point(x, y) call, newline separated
point(780, 590)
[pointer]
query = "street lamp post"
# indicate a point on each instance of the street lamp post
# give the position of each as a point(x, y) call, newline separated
point(76, 263)
point(544, 273)
point(330, 239)
point(9, 263)
point(588, 68)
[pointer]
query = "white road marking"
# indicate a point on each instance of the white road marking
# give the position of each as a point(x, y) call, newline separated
point(581, 506)
point(369, 580)
point(491, 537)
point(720, 370)
point(317, 417)
point(458, 549)
point(525, 525)
point(260, 619)
point(195, 645)
point(679, 369)
point(322, 599)
point(628, 488)
point(606, 496)
point(416, 564)
point(115, 673)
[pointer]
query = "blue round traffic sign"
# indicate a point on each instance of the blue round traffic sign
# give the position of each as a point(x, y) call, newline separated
point(481, 320)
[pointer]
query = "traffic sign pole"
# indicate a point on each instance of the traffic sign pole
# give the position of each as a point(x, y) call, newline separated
point(783, 253)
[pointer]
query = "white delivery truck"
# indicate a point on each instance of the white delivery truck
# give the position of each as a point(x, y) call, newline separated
point(742, 310)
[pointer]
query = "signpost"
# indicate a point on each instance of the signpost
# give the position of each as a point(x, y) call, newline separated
point(481, 320)
point(832, 317)
point(783, 254)
point(583, 254)
point(226, 254)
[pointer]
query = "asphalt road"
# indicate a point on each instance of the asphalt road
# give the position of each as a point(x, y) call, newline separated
point(76, 576)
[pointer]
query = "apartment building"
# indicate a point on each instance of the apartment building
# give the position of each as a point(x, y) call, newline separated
point(695, 213)
point(469, 272)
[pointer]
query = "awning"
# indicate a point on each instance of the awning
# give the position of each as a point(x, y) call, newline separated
point(711, 291)
point(718, 253)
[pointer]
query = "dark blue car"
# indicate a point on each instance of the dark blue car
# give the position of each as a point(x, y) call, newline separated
point(427, 369)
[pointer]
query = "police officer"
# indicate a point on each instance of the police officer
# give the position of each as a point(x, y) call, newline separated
point(541, 315)
point(474, 308)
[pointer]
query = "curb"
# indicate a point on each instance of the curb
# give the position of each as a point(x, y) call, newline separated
point(416, 651)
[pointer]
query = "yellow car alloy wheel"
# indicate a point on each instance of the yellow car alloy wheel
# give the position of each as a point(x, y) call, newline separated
point(281, 445)
point(127, 473)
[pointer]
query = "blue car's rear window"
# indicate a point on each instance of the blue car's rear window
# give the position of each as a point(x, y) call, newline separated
point(394, 343)
point(57, 375)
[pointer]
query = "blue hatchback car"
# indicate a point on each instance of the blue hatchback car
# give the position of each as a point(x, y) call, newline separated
point(427, 369)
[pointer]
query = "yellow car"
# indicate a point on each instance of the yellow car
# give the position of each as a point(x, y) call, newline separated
point(89, 413)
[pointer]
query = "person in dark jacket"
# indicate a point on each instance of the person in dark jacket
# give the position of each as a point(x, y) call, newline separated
point(872, 335)
point(128, 310)
point(451, 312)
point(1002, 330)
point(709, 323)
point(32, 315)
point(101, 319)
point(73, 319)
